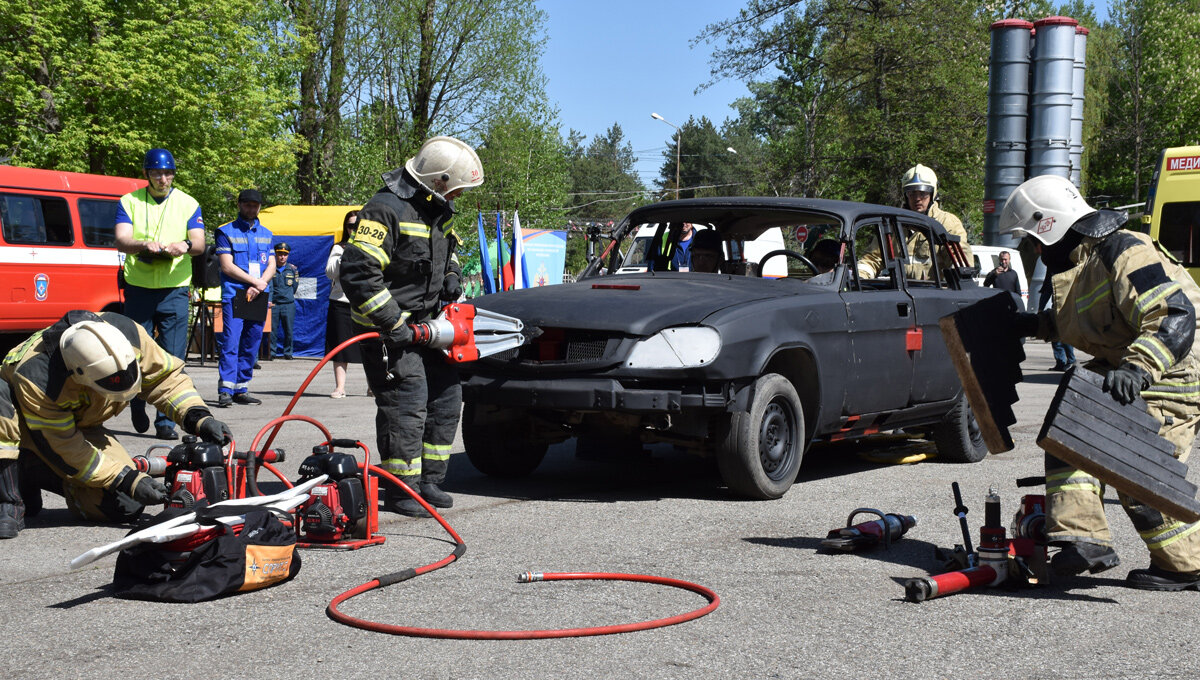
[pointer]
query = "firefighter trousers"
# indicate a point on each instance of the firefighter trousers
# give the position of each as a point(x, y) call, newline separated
point(418, 410)
point(1075, 500)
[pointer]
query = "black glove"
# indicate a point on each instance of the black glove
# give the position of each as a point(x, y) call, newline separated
point(214, 431)
point(148, 490)
point(1026, 324)
point(399, 335)
point(451, 287)
point(1126, 383)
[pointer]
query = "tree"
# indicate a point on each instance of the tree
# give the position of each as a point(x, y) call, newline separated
point(321, 27)
point(706, 165)
point(454, 65)
point(525, 168)
point(91, 85)
point(1153, 93)
point(604, 183)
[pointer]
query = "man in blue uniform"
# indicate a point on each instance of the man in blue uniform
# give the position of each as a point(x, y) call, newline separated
point(247, 267)
point(283, 301)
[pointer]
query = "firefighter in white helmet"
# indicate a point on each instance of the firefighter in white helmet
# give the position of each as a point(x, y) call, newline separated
point(57, 389)
point(400, 268)
point(1118, 297)
point(919, 187)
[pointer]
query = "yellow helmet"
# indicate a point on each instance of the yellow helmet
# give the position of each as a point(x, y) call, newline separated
point(920, 178)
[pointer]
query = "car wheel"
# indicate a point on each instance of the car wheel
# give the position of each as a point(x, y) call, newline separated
point(759, 456)
point(957, 437)
point(502, 448)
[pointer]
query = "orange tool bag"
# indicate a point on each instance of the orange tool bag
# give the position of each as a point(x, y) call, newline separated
point(218, 560)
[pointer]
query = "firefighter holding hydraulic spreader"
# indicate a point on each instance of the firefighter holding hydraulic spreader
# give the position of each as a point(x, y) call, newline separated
point(1120, 298)
point(397, 271)
point(58, 388)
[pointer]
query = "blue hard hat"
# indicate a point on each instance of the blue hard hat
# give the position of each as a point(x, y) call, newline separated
point(158, 159)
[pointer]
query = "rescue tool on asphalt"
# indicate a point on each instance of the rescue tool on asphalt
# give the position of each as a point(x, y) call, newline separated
point(885, 530)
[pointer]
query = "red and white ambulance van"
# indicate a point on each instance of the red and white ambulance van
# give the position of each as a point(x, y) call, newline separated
point(56, 245)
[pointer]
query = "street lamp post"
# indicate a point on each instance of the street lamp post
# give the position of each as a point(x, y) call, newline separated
point(678, 146)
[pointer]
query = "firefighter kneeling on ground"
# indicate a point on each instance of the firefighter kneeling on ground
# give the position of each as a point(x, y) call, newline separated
point(398, 269)
point(1118, 297)
point(57, 389)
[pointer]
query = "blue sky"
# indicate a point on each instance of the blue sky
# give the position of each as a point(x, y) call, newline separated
point(618, 61)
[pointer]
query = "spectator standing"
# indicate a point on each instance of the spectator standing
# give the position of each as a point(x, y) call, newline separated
point(681, 258)
point(340, 327)
point(159, 228)
point(247, 267)
point(1004, 278)
point(283, 302)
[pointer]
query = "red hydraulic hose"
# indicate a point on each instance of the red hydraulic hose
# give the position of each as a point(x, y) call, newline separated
point(460, 547)
point(312, 374)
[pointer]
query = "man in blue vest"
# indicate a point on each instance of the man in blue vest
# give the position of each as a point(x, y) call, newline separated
point(247, 266)
point(159, 229)
point(283, 301)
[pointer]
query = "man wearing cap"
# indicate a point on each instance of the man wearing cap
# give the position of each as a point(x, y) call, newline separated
point(399, 269)
point(283, 301)
point(57, 389)
point(247, 267)
point(159, 228)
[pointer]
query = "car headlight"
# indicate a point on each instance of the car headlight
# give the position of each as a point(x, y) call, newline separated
point(681, 347)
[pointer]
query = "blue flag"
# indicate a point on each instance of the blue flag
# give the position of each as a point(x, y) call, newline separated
point(485, 262)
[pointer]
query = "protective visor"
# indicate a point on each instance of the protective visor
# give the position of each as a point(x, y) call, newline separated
point(124, 383)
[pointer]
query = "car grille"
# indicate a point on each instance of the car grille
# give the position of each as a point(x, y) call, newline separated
point(564, 345)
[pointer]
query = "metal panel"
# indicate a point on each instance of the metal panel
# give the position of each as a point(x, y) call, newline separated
point(1076, 149)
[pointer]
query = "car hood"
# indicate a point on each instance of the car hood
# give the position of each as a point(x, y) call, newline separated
point(637, 304)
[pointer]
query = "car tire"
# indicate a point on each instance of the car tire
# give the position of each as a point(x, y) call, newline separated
point(502, 449)
point(759, 455)
point(957, 437)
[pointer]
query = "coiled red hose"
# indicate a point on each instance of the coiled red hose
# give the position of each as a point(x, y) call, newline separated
point(460, 548)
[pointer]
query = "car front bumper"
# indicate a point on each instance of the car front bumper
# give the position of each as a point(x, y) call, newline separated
point(590, 394)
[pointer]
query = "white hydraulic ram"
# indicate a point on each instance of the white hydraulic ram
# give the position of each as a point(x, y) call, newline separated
point(467, 333)
point(185, 525)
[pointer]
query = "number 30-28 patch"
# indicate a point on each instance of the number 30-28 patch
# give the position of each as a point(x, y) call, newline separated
point(370, 232)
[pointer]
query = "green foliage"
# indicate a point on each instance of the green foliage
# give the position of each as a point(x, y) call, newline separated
point(1153, 91)
point(707, 167)
point(90, 85)
point(604, 184)
point(525, 170)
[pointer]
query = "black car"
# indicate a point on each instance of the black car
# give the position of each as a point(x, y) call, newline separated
point(746, 368)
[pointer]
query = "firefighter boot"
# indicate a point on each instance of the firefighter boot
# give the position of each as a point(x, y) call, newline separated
point(1157, 578)
point(435, 496)
point(399, 502)
point(12, 509)
point(1076, 558)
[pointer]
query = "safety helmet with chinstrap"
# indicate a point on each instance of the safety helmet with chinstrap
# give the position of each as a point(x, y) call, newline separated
point(158, 159)
point(1045, 208)
point(920, 178)
point(99, 356)
point(444, 165)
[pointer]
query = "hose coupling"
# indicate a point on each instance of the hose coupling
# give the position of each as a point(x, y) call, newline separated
point(530, 577)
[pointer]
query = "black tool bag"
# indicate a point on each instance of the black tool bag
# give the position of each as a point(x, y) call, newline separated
point(259, 554)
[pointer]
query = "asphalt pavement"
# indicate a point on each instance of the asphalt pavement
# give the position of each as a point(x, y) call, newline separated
point(787, 610)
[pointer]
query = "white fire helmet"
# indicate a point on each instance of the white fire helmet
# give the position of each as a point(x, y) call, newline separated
point(1045, 208)
point(920, 178)
point(444, 165)
point(99, 356)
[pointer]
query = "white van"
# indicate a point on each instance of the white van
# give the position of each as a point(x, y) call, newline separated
point(772, 239)
point(987, 258)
